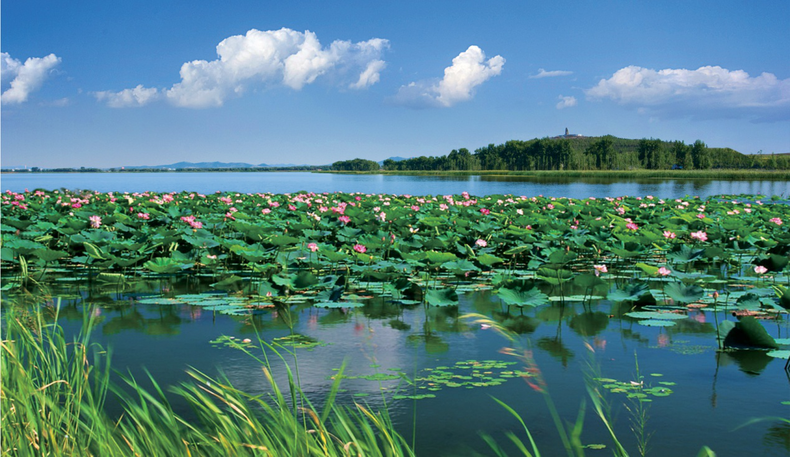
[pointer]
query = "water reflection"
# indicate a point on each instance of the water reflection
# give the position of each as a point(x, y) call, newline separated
point(287, 182)
point(382, 338)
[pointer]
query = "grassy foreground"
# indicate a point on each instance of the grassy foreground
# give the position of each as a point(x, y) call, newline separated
point(54, 391)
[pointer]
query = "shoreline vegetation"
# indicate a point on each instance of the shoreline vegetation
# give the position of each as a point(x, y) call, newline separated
point(711, 174)
point(734, 173)
point(569, 156)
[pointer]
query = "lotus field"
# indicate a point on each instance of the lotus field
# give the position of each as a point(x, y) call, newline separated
point(659, 256)
point(724, 251)
point(655, 259)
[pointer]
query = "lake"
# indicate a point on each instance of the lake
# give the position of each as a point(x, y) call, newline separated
point(699, 396)
point(287, 182)
point(713, 394)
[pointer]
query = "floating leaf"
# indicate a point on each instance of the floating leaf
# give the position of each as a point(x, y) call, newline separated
point(657, 323)
point(441, 297)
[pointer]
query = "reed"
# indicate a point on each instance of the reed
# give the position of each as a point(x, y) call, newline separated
point(54, 391)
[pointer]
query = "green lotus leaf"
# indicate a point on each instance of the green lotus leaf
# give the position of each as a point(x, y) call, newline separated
point(522, 294)
point(779, 354)
point(630, 292)
point(440, 257)
point(657, 323)
point(165, 265)
point(656, 315)
point(338, 304)
point(649, 269)
point(460, 266)
point(49, 255)
point(489, 260)
point(283, 240)
point(684, 294)
point(749, 301)
point(685, 254)
point(227, 282)
point(441, 297)
point(755, 333)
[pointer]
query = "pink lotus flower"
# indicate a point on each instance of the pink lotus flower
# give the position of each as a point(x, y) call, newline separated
point(701, 236)
point(776, 221)
point(664, 271)
point(631, 226)
point(482, 243)
point(600, 269)
point(95, 221)
point(266, 211)
point(344, 219)
point(313, 247)
point(415, 208)
point(669, 235)
point(360, 248)
point(759, 269)
point(485, 211)
point(145, 216)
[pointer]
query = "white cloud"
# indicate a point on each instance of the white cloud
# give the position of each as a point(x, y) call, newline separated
point(549, 74)
point(469, 70)
point(283, 56)
point(24, 78)
point(370, 76)
point(139, 96)
point(566, 102)
point(709, 91)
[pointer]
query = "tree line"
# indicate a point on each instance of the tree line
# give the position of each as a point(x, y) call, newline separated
point(584, 153)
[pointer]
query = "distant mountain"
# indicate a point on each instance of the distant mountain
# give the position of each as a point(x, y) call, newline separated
point(180, 165)
point(183, 165)
point(281, 165)
point(396, 159)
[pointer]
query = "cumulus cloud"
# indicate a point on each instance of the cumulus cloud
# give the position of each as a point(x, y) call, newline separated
point(566, 102)
point(284, 56)
point(549, 74)
point(370, 75)
point(139, 96)
point(469, 70)
point(709, 91)
point(24, 78)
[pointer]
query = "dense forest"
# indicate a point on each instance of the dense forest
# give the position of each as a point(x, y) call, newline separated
point(580, 153)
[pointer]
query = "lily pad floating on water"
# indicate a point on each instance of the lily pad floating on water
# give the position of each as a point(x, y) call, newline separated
point(299, 341)
point(656, 315)
point(779, 354)
point(656, 323)
point(338, 304)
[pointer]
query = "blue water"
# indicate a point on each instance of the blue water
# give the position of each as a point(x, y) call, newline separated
point(289, 182)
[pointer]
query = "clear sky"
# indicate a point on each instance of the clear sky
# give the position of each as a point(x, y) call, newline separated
point(108, 83)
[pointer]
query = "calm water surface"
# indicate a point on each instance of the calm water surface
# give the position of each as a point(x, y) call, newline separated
point(714, 394)
point(286, 182)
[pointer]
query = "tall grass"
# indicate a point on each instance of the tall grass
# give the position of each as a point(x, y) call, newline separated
point(54, 391)
point(569, 432)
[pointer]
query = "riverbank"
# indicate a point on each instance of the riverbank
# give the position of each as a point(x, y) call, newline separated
point(731, 174)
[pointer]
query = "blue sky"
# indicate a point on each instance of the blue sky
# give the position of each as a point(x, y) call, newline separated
point(98, 83)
